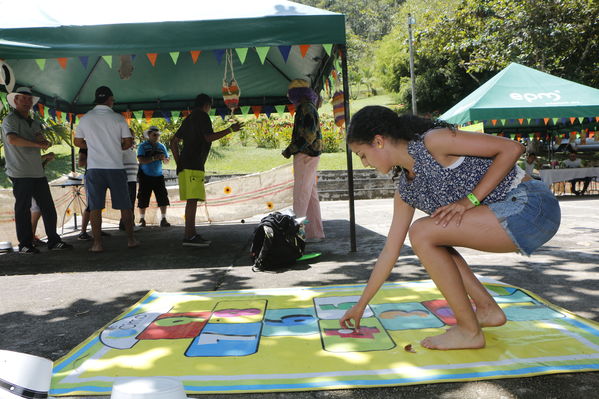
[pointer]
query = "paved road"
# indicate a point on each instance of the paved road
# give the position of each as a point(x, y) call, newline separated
point(49, 303)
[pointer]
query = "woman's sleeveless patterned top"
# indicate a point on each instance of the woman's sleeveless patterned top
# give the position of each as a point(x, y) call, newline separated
point(435, 186)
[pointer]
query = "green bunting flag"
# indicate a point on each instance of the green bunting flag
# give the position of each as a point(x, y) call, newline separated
point(262, 53)
point(280, 109)
point(580, 119)
point(175, 56)
point(41, 62)
point(138, 115)
point(555, 120)
point(108, 59)
point(212, 112)
point(245, 109)
point(328, 48)
point(241, 53)
point(502, 121)
point(46, 113)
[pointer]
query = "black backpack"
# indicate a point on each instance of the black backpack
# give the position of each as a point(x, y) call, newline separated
point(276, 243)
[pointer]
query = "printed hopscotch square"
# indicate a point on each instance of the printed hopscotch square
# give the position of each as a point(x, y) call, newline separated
point(372, 337)
point(405, 316)
point(334, 307)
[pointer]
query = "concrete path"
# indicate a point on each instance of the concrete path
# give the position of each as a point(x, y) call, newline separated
point(51, 302)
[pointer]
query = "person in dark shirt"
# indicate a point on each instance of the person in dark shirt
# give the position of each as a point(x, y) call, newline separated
point(197, 135)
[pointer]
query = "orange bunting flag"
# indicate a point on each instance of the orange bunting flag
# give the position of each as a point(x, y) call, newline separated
point(152, 57)
point(194, 55)
point(257, 109)
point(546, 120)
point(185, 113)
point(494, 121)
point(59, 116)
point(304, 49)
point(572, 120)
point(79, 116)
point(63, 62)
point(148, 115)
point(127, 115)
point(597, 119)
point(40, 108)
point(291, 109)
point(521, 120)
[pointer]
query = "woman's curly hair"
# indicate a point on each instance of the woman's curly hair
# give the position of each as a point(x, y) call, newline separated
point(374, 119)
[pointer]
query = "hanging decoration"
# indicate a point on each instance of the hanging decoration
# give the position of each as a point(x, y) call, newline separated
point(231, 91)
point(338, 101)
point(126, 66)
point(7, 77)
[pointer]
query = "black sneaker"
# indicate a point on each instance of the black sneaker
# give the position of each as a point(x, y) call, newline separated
point(164, 223)
point(84, 236)
point(142, 222)
point(196, 241)
point(28, 250)
point(38, 243)
point(121, 226)
point(105, 234)
point(60, 246)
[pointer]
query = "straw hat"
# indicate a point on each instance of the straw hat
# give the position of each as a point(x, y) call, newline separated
point(23, 375)
point(7, 77)
point(148, 388)
point(295, 83)
point(26, 91)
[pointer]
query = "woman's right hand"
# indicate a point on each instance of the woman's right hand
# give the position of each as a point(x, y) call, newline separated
point(351, 318)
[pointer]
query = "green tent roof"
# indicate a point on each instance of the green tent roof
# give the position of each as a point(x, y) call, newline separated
point(91, 35)
point(520, 92)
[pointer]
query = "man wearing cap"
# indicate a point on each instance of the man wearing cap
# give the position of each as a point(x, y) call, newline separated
point(105, 134)
point(306, 147)
point(151, 154)
point(197, 136)
point(23, 140)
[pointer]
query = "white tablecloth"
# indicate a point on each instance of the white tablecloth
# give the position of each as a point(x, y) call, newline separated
point(550, 176)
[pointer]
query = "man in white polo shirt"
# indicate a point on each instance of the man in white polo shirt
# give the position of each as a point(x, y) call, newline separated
point(105, 134)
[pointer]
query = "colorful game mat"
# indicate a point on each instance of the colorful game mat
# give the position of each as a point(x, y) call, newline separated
point(290, 340)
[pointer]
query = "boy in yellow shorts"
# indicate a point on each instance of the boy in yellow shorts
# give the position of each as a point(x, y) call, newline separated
point(197, 135)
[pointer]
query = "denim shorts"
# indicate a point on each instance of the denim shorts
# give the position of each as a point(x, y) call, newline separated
point(96, 183)
point(530, 214)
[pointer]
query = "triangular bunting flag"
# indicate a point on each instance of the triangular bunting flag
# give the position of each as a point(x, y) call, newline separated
point(521, 120)
point(127, 115)
point(222, 112)
point(268, 109)
point(502, 121)
point(257, 109)
point(152, 57)
point(194, 55)
point(262, 53)
point(138, 115)
point(176, 116)
point(174, 56)
point(291, 109)
point(84, 60)
point(148, 115)
point(219, 55)
point(108, 59)
point(285, 50)
point(564, 120)
point(580, 119)
point(304, 49)
point(241, 53)
point(280, 109)
point(79, 116)
point(41, 62)
point(166, 115)
point(46, 112)
point(328, 48)
point(40, 110)
point(597, 119)
point(528, 120)
point(52, 113)
point(546, 120)
point(245, 109)
point(59, 116)
point(62, 61)
point(572, 120)
point(494, 121)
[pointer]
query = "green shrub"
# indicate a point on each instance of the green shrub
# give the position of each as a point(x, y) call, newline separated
point(333, 139)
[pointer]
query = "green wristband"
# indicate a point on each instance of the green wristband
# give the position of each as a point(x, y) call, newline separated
point(473, 199)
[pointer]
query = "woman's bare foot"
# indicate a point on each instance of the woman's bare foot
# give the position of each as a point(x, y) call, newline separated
point(455, 338)
point(96, 248)
point(491, 316)
point(133, 243)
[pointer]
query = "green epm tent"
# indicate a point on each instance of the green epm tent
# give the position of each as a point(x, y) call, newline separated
point(523, 100)
point(64, 50)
